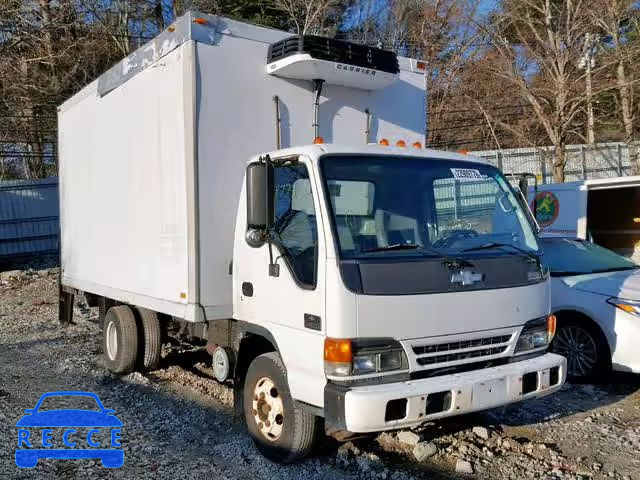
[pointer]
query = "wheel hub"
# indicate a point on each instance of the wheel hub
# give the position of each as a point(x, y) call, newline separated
point(112, 341)
point(267, 409)
point(577, 345)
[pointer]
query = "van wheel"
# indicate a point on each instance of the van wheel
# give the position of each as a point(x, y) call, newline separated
point(149, 356)
point(281, 431)
point(120, 339)
point(584, 347)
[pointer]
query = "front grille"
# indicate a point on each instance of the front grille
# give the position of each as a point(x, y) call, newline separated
point(455, 357)
point(461, 345)
point(461, 351)
point(333, 50)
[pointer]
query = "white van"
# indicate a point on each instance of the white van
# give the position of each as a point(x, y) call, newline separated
point(605, 211)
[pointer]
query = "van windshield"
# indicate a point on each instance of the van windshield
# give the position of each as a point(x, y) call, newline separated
point(386, 206)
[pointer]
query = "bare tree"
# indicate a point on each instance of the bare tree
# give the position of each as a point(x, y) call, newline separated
point(540, 43)
point(443, 34)
point(310, 16)
point(618, 21)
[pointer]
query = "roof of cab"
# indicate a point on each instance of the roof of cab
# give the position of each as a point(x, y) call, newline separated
point(374, 149)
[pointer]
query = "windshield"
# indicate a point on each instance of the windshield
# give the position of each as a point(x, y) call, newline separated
point(576, 257)
point(393, 206)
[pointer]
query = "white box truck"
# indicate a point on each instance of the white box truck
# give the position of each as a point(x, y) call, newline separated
point(605, 211)
point(238, 181)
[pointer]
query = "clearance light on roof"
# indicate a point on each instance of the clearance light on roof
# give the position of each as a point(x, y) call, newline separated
point(401, 143)
point(384, 142)
point(318, 140)
point(417, 145)
point(464, 151)
point(200, 21)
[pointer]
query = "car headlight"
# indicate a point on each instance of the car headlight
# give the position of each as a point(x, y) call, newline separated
point(536, 333)
point(629, 306)
point(347, 357)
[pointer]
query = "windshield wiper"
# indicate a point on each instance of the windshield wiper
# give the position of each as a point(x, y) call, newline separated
point(395, 246)
point(492, 245)
point(425, 251)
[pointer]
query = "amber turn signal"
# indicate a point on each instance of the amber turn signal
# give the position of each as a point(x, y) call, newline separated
point(551, 326)
point(337, 350)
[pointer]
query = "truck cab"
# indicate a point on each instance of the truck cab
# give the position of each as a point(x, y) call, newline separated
point(398, 285)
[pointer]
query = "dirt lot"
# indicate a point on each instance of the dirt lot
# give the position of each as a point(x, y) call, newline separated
point(178, 421)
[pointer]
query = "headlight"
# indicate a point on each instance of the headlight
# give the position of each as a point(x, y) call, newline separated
point(536, 333)
point(628, 306)
point(347, 357)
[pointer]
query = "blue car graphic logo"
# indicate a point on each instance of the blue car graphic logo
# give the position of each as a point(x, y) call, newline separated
point(36, 433)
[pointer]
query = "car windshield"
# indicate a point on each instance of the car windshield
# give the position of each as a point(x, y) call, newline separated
point(577, 257)
point(394, 206)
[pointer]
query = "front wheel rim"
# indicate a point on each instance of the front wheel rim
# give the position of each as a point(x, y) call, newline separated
point(267, 409)
point(112, 341)
point(579, 348)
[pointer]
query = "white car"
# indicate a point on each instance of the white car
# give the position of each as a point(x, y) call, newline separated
point(595, 295)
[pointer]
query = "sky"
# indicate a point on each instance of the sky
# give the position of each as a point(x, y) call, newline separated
point(487, 5)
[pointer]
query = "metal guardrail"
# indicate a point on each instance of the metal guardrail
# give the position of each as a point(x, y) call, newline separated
point(29, 218)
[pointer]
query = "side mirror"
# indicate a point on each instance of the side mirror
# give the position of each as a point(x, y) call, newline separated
point(260, 202)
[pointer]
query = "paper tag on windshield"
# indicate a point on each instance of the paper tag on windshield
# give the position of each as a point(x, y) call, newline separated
point(466, 174)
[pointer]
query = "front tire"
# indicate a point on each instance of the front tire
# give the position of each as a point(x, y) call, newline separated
point(120, 339)
point(281, 431)
point(585, 348)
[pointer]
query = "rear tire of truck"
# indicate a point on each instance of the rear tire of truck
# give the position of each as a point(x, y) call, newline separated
point(151, 345)
point(281, 431)
point(120, 339)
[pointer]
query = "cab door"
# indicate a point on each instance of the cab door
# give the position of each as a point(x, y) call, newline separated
point(289, 300)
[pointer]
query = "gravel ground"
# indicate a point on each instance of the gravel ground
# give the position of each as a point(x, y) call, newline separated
point(178, 421)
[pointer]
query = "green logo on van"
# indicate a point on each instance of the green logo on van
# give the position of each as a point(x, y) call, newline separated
point(547, 208)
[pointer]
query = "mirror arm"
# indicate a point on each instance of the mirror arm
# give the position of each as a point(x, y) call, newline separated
point(274, 269)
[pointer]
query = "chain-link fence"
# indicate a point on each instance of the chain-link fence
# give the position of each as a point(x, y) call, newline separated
point(605, 160)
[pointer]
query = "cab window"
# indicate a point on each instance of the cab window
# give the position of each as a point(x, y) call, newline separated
point(295, 227)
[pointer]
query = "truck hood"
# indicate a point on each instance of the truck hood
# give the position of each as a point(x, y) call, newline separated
point(624, 284)
point(407, 317)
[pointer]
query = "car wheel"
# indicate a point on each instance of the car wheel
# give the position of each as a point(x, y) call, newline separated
point(281, 431)
point(120, 339)
point(585, 349)
point(152, 342)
